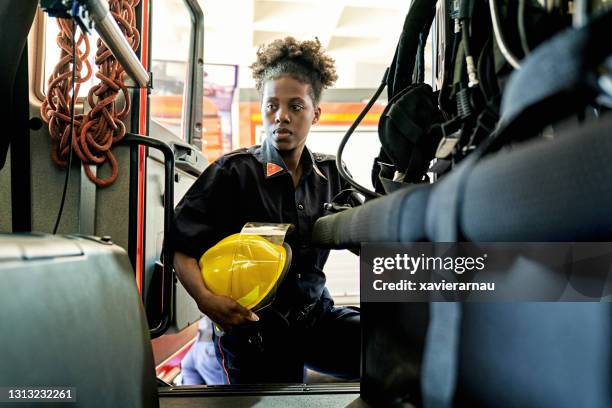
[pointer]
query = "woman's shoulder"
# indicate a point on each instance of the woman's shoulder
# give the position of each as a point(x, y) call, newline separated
point(325, 162)
point(323, 158)
point(238, 156)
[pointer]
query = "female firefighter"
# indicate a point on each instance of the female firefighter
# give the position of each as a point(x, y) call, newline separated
point(280, 181)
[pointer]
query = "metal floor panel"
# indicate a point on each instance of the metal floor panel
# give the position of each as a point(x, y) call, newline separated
point(285, 396)
point(267, 401)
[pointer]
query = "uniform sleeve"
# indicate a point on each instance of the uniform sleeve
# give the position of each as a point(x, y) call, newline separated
point(201, 217)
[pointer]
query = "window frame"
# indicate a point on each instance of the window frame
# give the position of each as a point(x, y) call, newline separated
point(194, 92)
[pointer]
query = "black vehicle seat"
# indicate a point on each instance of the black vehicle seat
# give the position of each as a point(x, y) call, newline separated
point(71, 316)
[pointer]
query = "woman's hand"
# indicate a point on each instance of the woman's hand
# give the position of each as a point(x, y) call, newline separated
point(226, 312)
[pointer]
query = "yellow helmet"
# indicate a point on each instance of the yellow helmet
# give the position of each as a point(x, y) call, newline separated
point(247, 268)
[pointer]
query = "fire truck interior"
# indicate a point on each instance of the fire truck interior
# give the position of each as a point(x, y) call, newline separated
point(509, 143)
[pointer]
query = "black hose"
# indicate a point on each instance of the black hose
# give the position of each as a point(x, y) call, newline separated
point(499, 37)
point(343, 173)
point(465, 36)
point(72, 102)
point(521, 27)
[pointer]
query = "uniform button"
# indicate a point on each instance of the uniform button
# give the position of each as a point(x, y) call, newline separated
point(300, 206)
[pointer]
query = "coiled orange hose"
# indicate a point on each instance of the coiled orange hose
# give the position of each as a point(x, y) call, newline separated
point(97, 131)
point(55, 109)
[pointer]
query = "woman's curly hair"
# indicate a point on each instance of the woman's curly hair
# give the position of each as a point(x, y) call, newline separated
point(304, 61)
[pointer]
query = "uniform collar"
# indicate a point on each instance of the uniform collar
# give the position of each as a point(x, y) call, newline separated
point(273, 164)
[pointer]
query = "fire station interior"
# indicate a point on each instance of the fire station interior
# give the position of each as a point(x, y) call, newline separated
point(509, 143)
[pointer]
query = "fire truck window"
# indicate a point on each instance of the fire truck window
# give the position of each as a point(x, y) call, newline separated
point(170, 38)
point(52, 55)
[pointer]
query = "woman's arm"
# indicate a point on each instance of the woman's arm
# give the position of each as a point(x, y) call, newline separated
point(224, 311)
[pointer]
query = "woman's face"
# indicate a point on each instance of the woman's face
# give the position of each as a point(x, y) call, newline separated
point(287, 111)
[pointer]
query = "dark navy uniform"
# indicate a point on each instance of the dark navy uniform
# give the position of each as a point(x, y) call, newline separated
point(302, 327)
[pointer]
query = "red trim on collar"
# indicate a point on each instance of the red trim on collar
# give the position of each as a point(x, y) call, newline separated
point(272, 169)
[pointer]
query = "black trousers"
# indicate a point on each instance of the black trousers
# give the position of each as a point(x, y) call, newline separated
point(272, 351)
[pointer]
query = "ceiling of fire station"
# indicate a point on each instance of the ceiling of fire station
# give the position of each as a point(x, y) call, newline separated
point(361, 35)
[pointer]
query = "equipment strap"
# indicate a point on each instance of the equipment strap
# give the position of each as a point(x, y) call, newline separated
point(440, 358)
point(440, 362)
point(418, 20)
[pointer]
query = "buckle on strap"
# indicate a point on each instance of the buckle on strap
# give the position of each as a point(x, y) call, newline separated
point(303, 313)
point(300, 314)
point(450, 134)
